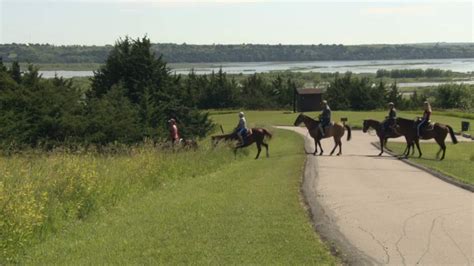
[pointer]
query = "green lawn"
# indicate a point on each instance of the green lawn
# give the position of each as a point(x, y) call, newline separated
point(248, 212)
point(458, 163)
point(228, 119)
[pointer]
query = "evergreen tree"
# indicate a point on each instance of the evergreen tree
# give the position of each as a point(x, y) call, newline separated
point(146, 82)
point(394, 95)
point(3, 68)
point(15, 72)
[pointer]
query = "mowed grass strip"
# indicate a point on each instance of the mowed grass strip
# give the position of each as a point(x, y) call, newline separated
point(247, 212)
point(458, 163)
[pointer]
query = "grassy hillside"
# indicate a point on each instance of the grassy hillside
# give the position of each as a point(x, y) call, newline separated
point(245, 212)
point(43, 193)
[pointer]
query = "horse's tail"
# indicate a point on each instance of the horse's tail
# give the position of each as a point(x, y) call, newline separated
point(451, 132)
point(266, 133)
point(349, 133)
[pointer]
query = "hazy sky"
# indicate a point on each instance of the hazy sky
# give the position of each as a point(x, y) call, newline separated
point(234, 21)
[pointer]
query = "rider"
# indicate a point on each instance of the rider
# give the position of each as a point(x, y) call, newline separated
point(325, 117)
point(390, 119)
point(174, 134)
point(241, 128)
point(425, 120)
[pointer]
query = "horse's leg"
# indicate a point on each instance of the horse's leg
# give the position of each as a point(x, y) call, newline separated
point(266, 148)
point(335, 146)
point(381, 145)
point(442, 146)
point(417, 142)
point(340, 147)
point(409, 146)
point(320, 147)
point(259, 148)
point(316, 146)
point(406, 149)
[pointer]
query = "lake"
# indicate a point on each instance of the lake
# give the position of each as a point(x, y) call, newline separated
point(363, 66)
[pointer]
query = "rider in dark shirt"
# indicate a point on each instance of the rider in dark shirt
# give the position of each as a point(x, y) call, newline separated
point(390, 119)
point(325, 117)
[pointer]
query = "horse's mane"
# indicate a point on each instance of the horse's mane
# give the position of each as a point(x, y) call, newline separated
point(312, 119)
point(373, 120)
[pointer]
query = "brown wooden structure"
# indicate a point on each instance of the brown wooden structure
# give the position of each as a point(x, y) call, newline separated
point(307, 99)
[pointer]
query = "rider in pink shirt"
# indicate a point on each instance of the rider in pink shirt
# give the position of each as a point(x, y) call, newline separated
point(174, 134)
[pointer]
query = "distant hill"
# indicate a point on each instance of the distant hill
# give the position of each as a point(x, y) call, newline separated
point(180, 53)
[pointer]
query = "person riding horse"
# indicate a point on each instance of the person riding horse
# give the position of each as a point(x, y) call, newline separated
point(324, 117)
point(390, 120)
point(241, 128)
point(425, 120)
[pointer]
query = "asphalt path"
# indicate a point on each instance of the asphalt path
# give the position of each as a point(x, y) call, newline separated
point(380, 210)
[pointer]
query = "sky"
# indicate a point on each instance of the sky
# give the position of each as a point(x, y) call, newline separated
point(88, 22)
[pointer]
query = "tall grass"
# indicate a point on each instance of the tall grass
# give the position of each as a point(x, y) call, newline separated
point(40, 193)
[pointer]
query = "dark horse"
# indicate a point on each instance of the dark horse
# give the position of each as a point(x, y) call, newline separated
point(370, 123)
point(336, 131)
point(256, 135)
point(407, 128)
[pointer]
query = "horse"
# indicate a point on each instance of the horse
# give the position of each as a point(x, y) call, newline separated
point(370, 123)
point(188, 144)
point(407, 128)
point(336, 131)
point(256, 136)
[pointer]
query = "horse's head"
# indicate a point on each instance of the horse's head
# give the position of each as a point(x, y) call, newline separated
point(299, 119)
point(365, 126)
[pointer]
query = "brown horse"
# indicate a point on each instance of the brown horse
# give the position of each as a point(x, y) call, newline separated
point(336, 131)
point(257, 136)
point(370, 123)
point(407, 128)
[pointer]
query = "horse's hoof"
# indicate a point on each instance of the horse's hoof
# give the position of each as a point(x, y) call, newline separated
point(339, 154)
point(380, 154)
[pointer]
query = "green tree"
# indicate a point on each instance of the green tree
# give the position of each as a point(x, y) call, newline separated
point(15, 72)
point(393, 95)
point(147, 83)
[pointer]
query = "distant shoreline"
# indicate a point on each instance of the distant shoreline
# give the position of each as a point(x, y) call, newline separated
point(463, 66)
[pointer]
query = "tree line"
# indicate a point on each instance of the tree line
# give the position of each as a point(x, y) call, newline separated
point(347, 92)
point(175, 53)
point(131, 98)
point(414, 73)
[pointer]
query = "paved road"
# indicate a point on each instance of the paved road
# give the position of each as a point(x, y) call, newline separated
point(379, 210)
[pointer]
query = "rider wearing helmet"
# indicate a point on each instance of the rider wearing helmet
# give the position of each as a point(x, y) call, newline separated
point(241, 128)
point(390, 119)
point(325, 117)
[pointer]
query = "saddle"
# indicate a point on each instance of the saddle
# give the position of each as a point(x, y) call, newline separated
point(249, 132)
point(427, 127)
point(430, 126)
